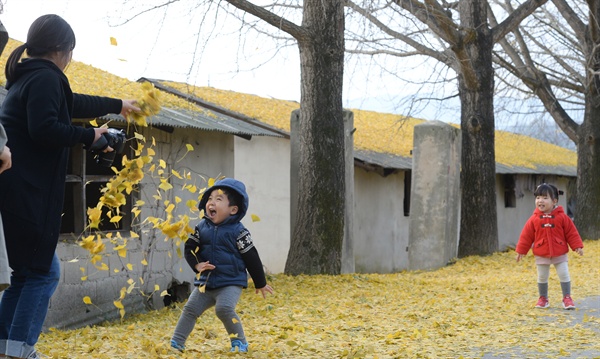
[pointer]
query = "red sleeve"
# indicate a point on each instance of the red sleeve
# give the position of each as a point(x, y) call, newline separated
point(526, 239)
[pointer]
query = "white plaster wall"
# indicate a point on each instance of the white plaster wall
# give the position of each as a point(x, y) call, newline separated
point(263, 164)
point(380, 228)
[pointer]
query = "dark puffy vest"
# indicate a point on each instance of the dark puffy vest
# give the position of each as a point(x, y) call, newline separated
point(219, 246)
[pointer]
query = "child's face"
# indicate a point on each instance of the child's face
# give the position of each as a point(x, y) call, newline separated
point(217, 207)
point(545, 203)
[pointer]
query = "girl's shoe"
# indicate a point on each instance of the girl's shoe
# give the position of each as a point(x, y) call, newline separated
point(177, 346)
point(542, 303)
point(568, 302)
point(238, 346)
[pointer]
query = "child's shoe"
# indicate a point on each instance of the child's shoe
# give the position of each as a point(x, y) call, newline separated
point(568, 302)
point(177, 346)
point(36, 355)
point(542, 302)
point(238, 346)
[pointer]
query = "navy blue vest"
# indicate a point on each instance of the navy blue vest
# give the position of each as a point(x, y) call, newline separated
point(219, 246)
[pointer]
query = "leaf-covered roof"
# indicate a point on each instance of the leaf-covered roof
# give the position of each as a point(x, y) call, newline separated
point(375, 132)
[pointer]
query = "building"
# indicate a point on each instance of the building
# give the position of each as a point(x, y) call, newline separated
point(248, 137)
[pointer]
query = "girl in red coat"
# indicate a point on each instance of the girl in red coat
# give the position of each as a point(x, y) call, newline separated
point(550, 233)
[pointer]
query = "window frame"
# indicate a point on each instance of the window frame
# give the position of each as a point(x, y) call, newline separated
point(77, 195)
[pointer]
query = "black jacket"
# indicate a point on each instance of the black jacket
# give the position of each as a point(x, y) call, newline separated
point(36, 115)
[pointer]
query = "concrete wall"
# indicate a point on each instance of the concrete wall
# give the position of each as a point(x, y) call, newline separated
point(380, 227)
point(435, 196)
point(263, 164)
point(213, 155)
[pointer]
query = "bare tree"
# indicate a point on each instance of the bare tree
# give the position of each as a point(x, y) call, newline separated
point(556, 56)
point(466, 47)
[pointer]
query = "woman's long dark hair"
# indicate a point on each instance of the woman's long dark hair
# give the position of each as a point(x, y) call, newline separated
point(47, 34)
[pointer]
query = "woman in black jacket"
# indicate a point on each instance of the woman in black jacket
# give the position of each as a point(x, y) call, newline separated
point(36, 115)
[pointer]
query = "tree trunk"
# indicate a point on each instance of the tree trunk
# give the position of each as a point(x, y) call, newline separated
point(316, 242)
point(478, 224)
point(587, 219)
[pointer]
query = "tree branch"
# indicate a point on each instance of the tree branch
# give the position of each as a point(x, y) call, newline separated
point(420, 48)
point(433, 15)
point(298, 32)
point(514, 19)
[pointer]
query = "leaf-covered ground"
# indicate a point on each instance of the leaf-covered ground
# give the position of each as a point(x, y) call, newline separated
point(479, 307)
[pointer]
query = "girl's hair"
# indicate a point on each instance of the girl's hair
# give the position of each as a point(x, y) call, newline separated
point(47, 34)
point(546, 189)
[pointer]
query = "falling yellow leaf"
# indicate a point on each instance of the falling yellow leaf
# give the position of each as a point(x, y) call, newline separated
point(255, 218)
point(113, 41)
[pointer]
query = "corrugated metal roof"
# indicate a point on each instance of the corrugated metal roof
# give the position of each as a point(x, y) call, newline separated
point(209, 120)
point(383, 160)
point(569, 171)
point(204, 120)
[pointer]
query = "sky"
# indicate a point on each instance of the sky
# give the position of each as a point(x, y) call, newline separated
point(165, 46)
point(151, 47)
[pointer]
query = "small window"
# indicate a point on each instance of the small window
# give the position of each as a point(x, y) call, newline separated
point(85, 179)
point(510, 196)
point(407, 185)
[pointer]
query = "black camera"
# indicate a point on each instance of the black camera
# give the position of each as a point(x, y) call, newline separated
point(113, 138)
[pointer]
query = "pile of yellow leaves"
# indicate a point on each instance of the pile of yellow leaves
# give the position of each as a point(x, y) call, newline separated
point(477, 305)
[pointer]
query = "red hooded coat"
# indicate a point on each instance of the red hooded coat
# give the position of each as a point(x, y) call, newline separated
point(551, 234)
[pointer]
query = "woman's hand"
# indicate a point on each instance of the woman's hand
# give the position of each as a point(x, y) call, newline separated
point(98, 132)
point(128, 107)
point(5, 159)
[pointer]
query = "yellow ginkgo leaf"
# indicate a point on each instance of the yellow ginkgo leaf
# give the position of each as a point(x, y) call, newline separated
point(255, 218)
point(164, 185)
point(164, 293)
point(189, 147)
point(87, 300)
point(113, 41)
